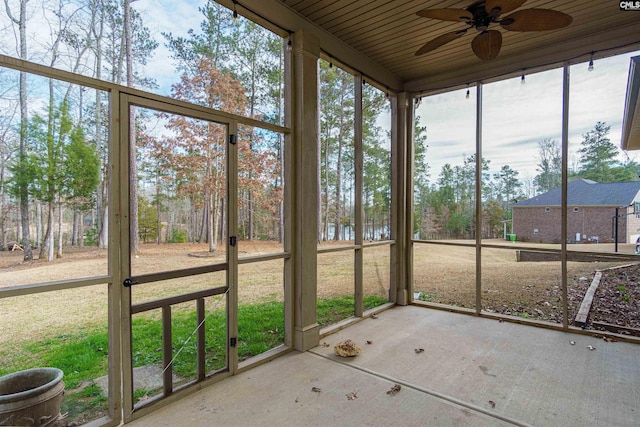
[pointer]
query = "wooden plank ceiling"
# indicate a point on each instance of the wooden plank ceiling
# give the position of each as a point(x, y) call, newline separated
point(389, 32)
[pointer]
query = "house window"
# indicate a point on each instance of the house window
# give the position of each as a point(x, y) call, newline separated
point(636, 209)
point(547, 209)
point(535, 231)
point(576, 209)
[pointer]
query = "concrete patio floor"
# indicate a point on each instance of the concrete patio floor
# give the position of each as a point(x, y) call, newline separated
point(472, 372)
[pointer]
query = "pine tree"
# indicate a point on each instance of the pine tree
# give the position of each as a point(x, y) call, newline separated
point(598, 154)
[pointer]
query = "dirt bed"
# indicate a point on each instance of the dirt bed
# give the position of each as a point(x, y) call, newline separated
point(617, 299)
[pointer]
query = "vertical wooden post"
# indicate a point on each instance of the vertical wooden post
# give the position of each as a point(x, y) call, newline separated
point(478, 195)
point(200, 319)
point(359, 182)
point(306, 51)
point(119, 297)
point(232, 249)
point(287, 163)
point(119, 213)
point(167, 352)
point(563, 203)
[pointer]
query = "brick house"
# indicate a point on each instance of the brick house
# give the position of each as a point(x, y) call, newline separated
point(591, 208)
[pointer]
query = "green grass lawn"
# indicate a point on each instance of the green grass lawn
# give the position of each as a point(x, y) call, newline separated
point(83, 356)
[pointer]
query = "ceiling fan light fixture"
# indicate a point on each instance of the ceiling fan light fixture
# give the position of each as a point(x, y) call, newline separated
point(483, 14)
point(486, 45)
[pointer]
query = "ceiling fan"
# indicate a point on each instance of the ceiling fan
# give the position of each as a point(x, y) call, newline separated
point(482, 14)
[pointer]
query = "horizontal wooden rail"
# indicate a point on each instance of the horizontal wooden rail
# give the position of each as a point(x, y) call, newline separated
point(176, 274)
point(178, 299)
point(336, 249)
point(266, 257)
point(59, 285)
point(378, 243)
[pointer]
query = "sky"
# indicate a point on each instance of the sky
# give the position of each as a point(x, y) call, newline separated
point(162, 16)
point(517, 116)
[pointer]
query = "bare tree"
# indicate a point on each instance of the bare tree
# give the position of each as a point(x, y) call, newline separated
point(22, 189)
point(133, 167)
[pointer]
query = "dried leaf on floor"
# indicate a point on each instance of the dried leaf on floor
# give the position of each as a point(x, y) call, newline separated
point(296, 400)
point(352, 396)
point(324, 344)
point(492, 403)
point(607, 339)
point(346, 349)
point(418, 350)
point(394, 390)
point(316, 389)
point(590, 347)
point(369, 342)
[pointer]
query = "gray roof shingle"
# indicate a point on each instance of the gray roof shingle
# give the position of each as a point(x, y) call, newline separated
point(584, 192)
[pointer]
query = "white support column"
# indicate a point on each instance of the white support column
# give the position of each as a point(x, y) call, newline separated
point(401, 130)
point(306, 51)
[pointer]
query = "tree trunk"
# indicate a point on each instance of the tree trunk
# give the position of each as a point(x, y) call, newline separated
point(133, 167)
point(205, 220)
point(338, 211)
point(80, 228)
point(194, 221)
point(74, 228)
point(4, 210)
point(325, 234)
point(169, 230)
point(212, 234)
point(101, 216)
point(281, 151)
point(22, 186)
point(319, 188)
point(60, 236)
point(18, 227)
point(223, 219)
point(46, 252)
point(39, 227)
point(159, 224)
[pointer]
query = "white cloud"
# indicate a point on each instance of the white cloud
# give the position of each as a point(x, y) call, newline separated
point(166, 16)
point(516, 116)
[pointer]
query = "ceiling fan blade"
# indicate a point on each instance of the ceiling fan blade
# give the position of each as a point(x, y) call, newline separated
point(535, 20)
point(487, 44)
point(440, 41)
point(456, 15)
point(505, 6)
